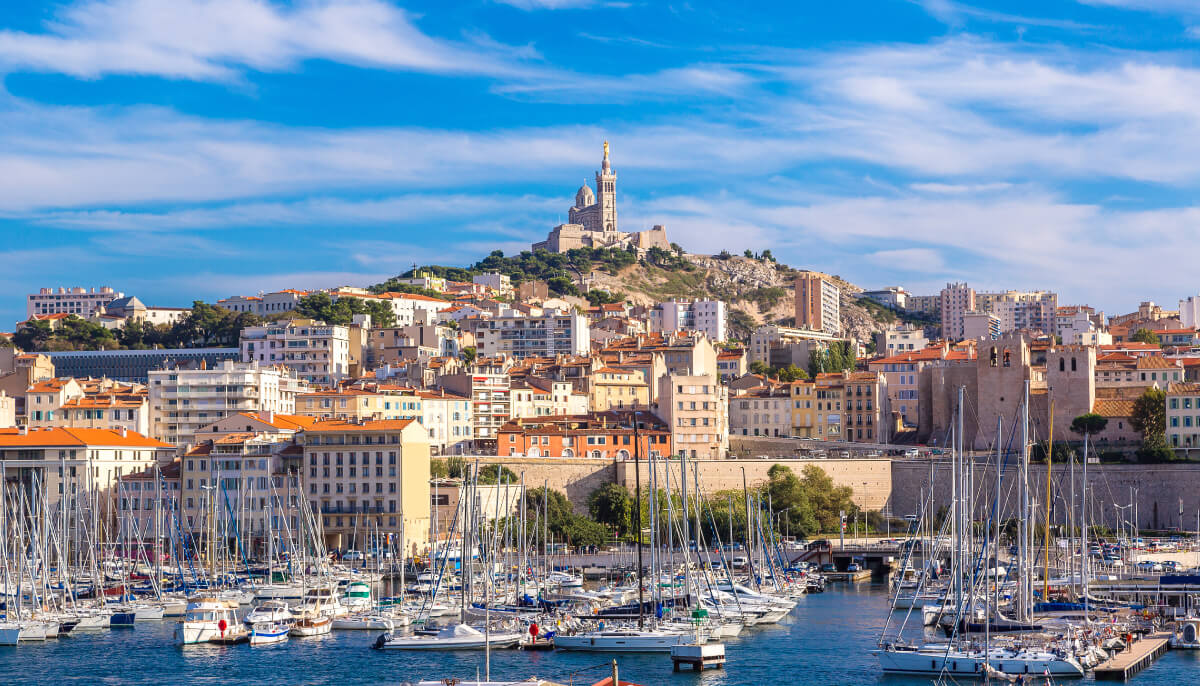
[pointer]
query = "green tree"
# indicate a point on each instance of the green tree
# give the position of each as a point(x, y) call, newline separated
point(1089, 424)
point(792, 373)
point(1145, 336)
point(748, 253)
point(1150, 415)
point(468, 354)
point(612, 504)
point(494, 474)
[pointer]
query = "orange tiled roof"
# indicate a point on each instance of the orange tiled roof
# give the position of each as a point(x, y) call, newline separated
point(294, 422)
point(1113, 407)
point(78, 437)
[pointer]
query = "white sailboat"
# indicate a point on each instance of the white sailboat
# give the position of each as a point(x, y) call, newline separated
point(453, 637)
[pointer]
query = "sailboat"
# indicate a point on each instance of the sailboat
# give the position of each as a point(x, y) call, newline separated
point(958, 657)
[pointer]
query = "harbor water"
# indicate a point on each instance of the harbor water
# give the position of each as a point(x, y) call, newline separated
point(827, 639)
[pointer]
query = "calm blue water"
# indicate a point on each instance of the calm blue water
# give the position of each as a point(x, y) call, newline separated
point(826, 640)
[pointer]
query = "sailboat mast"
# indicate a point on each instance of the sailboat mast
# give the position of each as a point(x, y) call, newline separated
point(1046, 531)
point(637, 514)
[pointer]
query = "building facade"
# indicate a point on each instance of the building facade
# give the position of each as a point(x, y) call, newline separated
point(316, 352)
point(707, 316)
point(696, 408)
point(80, 302)
point(520, 336)
point(957, 299)
point(182, 400)
point(818, 304)
point(370, 476)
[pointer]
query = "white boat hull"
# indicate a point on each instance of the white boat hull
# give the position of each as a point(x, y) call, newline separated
point(627, 643)
point(935, 660)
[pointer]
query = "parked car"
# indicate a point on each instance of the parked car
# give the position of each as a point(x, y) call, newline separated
point(829, 567)
point(352, 556)
point(853, 567)
point(739, 561)
point(1149, 566)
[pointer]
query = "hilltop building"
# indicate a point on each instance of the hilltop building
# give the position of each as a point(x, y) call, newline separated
point(592, 220)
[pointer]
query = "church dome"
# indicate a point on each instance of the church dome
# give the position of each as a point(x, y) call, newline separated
point(584, 197)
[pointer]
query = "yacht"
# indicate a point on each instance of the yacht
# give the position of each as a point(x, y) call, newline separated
point(357, 596)
point(934, 659)
point(210, 620)
point(270, 612)
point(453, 637)
point(624, 640)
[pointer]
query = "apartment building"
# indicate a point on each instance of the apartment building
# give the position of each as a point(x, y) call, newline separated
point(957, 299)
point(818, 303)
point(447, 420)
point(866, 401)
point(538, 397)
point(817, 407)
point(1183, 415)
point(490, 395)
point(552, 333)
point(680, 314)
point(247, 480)
point(615, 388)
point(500, 284)
point(316, 352)
point(731, 364)
point(356, 404)
point(81, 302)
point(62, 460)
point(370, 476)
point(696, 408)
point(763, 411)
point(599, 435)
point(183, 400)
point(980, 325)
point(1024, 310)
point(900, 340)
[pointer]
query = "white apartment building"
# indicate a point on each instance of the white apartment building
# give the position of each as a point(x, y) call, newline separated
point(545, 398)
point(316, 352)
point(448, 421)
point(78, 301)
point(708, 316)
point(490, 395)
point(183, 400)
point(499, 283)
point(957, 300)
point(1189, 312)
point(899, 340)
point(554, 332)
point(265, 304)
point(1024, 310)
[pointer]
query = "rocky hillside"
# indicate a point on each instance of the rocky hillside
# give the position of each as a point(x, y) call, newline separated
point(758, 291)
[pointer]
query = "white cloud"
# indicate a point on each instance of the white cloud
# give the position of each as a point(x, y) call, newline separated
point(212, 40)
point(908, 259)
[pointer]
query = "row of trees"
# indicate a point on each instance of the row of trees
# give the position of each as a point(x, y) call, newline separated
point(839, 357)
point(341, 312)
point(786, 374)
point(803, 505)
point(205, 325)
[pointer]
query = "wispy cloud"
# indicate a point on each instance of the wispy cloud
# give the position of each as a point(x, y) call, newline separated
point(957, 13)
point(215, 40)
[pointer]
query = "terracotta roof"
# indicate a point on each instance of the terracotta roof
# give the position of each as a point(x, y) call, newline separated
point(49, 385)
point(79, 437)
point(1156, 362)
point(102, 401)
point(370, 425)
point(1183, 388)
point(1113, 407)
point(294, 422)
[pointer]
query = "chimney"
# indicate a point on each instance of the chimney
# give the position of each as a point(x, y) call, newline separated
point(270, 417)
point(124, 432)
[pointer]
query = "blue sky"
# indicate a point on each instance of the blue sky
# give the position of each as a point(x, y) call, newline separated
point(182, 149)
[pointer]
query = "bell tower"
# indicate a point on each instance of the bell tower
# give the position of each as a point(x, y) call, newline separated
point(606, 193)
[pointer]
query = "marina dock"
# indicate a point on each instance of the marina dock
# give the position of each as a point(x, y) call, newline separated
point(1137, 657)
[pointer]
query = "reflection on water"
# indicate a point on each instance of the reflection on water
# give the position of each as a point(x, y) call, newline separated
point(826, 641)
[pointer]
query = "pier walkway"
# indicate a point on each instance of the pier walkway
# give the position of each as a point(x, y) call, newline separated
point(1134, 659)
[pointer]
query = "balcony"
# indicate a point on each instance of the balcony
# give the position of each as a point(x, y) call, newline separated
point(353, 509)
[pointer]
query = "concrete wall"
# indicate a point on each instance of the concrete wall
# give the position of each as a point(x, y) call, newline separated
point(1159, 490)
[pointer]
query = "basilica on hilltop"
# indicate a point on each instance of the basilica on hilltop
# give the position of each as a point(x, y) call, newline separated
point(593, 220)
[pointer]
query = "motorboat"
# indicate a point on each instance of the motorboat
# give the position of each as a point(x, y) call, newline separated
point(453, 637)
point(357, 596)
point(1187, 634)
point(269, 612)
point(311, 623)
point(210, 620)
point(10, 633)
point(266, 632)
